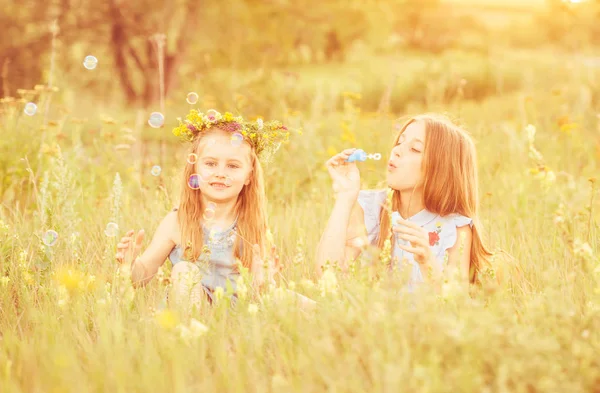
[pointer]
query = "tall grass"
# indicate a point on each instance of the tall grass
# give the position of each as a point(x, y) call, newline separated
point(68, 323)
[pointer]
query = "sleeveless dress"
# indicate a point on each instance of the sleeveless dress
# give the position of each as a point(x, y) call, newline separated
point(219, 269)
point(442, 230)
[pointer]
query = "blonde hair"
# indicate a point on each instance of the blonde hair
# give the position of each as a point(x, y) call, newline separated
point(449, 181)
point(250, 209)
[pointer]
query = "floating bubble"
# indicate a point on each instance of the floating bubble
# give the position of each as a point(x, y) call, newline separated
point(194, 182)
point(156, 120)
point(156, 170)
point(228, 181)
point(211, 205)
point(90, 62)
point(30, 109)
point(112, 229)
point(237, 139)
point(192, 158)
point(50, 237)
point(376, 156)
point(192, 98)
point(209, 214)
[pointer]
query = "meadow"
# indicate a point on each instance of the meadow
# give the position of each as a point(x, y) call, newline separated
point(69, 323)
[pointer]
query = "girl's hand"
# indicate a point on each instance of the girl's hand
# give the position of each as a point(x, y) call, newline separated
point(345, 175)
point(127, 249)
point(418, 238)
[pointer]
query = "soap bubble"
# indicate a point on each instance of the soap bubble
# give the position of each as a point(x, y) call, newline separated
point(209, 214)
point(228, 181)
point(211, 205)
point(156, 120)
point(90, 62)
point(50, 237)
point(156, 170)
point(192, 98)
point(194, 182)
point(236, 139)
point(112, 229)
point(30, 109)
point(192, 158)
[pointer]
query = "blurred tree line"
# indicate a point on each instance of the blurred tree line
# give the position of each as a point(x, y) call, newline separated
point(191, 36)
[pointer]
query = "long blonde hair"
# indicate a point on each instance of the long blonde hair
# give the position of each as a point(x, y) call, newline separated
point(450, 183)
point(250, 209)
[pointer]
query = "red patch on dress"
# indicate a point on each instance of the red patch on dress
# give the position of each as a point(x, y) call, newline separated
point(433, 238)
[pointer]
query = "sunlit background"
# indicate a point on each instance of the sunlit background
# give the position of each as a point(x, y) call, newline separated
point(90, 92)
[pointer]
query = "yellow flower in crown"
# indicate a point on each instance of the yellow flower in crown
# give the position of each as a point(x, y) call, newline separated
point(265, 137)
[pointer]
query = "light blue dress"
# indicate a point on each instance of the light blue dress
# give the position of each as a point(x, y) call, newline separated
point(218, 269)
point(442, 230)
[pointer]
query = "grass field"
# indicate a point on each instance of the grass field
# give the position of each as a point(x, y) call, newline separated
point(68, 324)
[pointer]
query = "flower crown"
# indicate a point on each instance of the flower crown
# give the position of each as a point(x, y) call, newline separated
point(265, 137)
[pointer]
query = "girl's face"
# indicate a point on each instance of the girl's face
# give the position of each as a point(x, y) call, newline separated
point(404, 170)
point(224, 166)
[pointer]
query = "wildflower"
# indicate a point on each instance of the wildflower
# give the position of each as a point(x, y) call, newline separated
point(252, 308)
point(242, 288)
point(328, 283)
point(198, 328)
point(4, 280)
point(530, 132)
point(219, 292)
point(306, 283)
point(167, 319)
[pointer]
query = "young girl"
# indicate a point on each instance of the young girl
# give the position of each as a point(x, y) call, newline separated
point(432, 177)
point(221, 216)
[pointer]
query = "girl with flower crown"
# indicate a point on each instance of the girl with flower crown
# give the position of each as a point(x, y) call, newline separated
point(221, 217)
point(427, 216)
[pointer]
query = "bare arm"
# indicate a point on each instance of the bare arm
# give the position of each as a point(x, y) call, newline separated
point(144, 267)
point(344, 236)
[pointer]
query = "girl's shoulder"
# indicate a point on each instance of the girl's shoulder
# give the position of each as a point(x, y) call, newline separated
point(371, 202)
point(372, 198)
point(444, 230)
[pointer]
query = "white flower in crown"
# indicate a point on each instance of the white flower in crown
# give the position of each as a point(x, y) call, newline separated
point(260, 123)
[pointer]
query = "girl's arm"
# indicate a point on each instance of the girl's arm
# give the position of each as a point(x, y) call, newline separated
point(344, 235)
point(144, 267)
point(459, 255)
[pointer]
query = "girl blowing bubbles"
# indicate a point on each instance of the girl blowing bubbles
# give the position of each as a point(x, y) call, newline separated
point(432, 178)
point(221, 216)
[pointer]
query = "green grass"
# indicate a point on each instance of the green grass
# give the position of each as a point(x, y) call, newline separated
point(536, 333)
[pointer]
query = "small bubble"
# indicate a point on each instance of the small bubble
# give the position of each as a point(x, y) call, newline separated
point(192, 98)
point(112, 229)
point(30, 109)
point(194, 182)
point(90, 62)
point(209, 214)
point(156, 120)
point(192, 158)
point(211, 205)
point(156, 170)
point(50, 238)
point(228, 181)
point(236, 139)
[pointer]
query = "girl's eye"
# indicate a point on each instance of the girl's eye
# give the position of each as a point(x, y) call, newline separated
point(415, 150)
point(210, 163)
point(233, 166)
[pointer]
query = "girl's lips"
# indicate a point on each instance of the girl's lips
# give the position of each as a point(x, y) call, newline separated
point(218, 186)
point(391, 166)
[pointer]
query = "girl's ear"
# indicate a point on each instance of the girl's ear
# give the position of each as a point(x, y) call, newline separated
point(248, 178)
